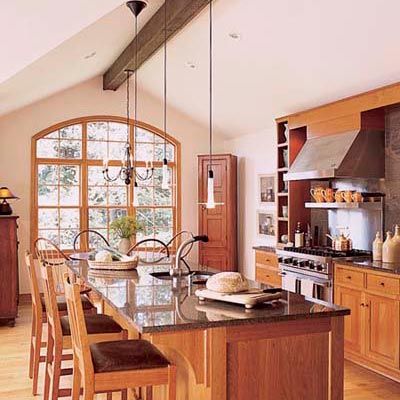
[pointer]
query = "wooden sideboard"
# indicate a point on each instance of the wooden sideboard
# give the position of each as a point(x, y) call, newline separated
point(267, 270)
point(9, 289)
point(220, 223)
point(372, 331)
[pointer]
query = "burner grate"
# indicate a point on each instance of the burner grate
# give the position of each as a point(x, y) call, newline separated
point(328, 252)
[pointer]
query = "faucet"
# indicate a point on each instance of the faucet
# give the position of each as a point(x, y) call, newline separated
point(176, 269)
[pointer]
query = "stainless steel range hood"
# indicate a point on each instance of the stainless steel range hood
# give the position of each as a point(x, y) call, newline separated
point(354, 154)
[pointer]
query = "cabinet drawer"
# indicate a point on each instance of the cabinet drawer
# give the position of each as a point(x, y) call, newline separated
point(268, 276)
point(383, 284)
point(268, 259)
point(349, 277)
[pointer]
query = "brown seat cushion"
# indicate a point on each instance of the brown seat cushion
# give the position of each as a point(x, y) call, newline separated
point(124, 355)
point(62, 304)
point(96, 323)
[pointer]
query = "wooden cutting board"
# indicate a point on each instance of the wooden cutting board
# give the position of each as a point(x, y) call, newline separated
point(248, 299)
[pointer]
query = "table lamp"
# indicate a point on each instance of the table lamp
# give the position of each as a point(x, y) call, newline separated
point(6, 194)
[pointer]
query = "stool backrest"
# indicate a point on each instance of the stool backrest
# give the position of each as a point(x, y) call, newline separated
point(34, 286)
point(80, 341)
point(50, 299)
point(49, 254)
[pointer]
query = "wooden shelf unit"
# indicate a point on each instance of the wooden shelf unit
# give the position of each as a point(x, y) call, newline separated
point(291, 194)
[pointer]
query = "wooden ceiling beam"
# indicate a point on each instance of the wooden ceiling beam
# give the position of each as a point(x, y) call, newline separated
point(151, 37)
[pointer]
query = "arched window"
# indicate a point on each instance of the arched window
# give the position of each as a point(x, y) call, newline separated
point(70, 193)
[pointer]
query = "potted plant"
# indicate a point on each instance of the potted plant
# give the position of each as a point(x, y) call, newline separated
point(125, 228)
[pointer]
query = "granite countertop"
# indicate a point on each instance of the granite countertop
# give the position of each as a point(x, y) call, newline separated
point(378, 266)
point(152, 305)
point(269, 249)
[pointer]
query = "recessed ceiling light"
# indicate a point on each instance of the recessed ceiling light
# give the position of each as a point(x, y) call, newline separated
point(235, 35)
point(90, 55)
point(190, 64)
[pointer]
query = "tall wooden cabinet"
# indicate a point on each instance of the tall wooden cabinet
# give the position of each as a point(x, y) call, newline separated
point(9, 289)
point(219, 224)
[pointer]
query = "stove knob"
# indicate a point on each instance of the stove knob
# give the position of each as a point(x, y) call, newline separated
point(311, 264)
point(287, 260)
point(319, 267)
point(280, 259)
point(302, 264)
point(295, 262)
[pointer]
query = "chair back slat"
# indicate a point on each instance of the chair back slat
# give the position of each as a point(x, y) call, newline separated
point(33, 282)
point(80, 340)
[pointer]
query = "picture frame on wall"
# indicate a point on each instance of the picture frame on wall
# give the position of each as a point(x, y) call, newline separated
point(265, 224)
point(266, 189)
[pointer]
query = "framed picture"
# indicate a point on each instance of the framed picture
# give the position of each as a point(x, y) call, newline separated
point(266, 189)
point(265, 223)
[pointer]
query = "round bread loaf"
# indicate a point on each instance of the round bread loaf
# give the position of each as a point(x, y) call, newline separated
point(227, 282)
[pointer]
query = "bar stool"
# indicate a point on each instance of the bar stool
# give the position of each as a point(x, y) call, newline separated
point(114, 365)
point(39, 319)
point(100, 327)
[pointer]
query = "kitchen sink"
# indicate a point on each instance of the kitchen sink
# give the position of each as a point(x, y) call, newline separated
point(197, 277)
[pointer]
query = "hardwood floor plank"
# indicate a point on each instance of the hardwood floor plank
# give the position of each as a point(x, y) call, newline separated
point(359, 383)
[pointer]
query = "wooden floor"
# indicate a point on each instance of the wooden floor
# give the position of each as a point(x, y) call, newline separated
point(360, 384)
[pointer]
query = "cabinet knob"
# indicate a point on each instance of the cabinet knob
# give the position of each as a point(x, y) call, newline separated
point(382, 283)
point(362, 305)
point(348, 277)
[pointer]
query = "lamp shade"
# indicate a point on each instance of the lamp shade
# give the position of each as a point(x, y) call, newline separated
point(5, 193)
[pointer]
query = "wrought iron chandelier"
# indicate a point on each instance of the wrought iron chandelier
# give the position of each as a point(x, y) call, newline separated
point(128, 171)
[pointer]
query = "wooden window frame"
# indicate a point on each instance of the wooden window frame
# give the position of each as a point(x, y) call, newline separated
point(84, 163)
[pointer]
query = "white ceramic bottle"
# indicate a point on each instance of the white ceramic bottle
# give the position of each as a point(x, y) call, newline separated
point(388, 255)
point(396, 243)
point(377, 247)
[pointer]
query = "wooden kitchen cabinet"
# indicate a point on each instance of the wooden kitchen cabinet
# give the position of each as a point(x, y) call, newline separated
point(220, 223)
point(267, 270)
point(372, 331)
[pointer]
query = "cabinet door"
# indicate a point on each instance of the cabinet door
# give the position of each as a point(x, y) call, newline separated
point(353, 323)
point(269, 276)
point(382, 333)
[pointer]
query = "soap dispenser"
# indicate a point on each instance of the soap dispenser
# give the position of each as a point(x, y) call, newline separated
point(377, 247)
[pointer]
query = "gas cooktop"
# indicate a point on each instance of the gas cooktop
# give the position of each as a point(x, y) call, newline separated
point(328, 252)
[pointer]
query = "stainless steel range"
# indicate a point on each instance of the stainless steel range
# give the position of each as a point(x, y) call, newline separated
point(309, 270)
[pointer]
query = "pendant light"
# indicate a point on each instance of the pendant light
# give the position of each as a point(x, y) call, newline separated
point(164, 183)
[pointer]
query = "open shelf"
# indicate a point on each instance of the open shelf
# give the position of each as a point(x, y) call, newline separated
point(283, 219)
point(345, 206)
point(283, 144)
point(282, 194)
point(283, 169)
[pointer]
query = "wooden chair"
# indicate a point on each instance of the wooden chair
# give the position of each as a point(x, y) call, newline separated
point(100, 237)
point(149, 254)
point(116, 365)
point(39, 319)
point(99, 326)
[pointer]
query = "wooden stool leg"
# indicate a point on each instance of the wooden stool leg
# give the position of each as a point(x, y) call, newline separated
point(49, 361)
point(76, 381)
point(36, 358)
point(124, 394)
point(172, 382)
point(88, 392)
point(55, 382)
point(32, 349)
point(149, 392)
point(109, 396)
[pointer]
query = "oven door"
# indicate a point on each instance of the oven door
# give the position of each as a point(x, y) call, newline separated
point(307, 285)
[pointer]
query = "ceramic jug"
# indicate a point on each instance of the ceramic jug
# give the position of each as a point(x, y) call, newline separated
point(388, 253)
point(396, 243)
point(377, 248)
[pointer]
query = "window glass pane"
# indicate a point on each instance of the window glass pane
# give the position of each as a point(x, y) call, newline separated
point(96, 241)
point(159, 152)
point(118, 196)
point(142, 135)
point(69, 218)
point(70, 149)
point(97, 218)
point(162, 197)
point(97, 130)
point(48, 218)
point(96, 150)
point(144, 152)
point(67, 237)
point(69, 175)
point(142, 172)
point(49, 234)
point(95, 176)
point(117, 131)
point(97, 196)
point(146, 233)
point(52, 135)
point(145, 216)
point(164, 234)
point(116, 150)
point(69, 195)
point(47, 174)
point(47, 148)
point(117, 213)
point(47, 195)
point(144, 195)
point(71, 132)
point(163, 217)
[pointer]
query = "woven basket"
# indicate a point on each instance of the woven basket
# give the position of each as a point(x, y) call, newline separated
point(114, 265)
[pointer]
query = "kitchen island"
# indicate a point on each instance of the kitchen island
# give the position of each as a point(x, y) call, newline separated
point(289, 349)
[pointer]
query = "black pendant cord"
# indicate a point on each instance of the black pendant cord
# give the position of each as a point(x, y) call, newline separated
point(165, 82)
point(211, 86)
point(135, 108)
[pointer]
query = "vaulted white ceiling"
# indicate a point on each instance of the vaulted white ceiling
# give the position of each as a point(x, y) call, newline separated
point(291, 55)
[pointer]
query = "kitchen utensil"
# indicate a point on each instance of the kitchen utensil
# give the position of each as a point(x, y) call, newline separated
point(341, 242)
point(284, 211)
point(357, 197)
point(347, 196)
point(338, 196)
point(328, 194)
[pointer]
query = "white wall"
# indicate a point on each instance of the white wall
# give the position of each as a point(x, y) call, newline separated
point(256, 155)
point(88, 98)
